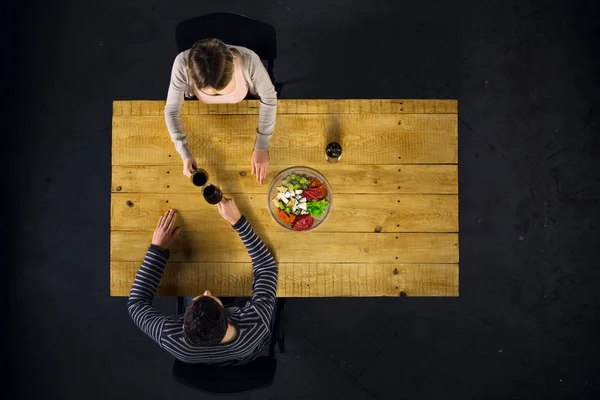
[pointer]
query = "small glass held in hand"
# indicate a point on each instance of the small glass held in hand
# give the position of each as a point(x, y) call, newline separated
point(212, 194)
point(199, 177)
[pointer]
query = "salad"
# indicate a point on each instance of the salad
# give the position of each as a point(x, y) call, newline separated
point(300, 200)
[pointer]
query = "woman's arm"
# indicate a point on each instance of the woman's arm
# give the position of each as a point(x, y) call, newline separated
point(265, 90)
point(175, 97)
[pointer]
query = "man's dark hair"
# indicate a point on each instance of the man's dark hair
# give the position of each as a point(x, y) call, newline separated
point(205, 321)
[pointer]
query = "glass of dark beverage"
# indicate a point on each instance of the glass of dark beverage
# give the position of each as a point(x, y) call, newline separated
point(199, 177)
point(212, 194)
point(333, 152)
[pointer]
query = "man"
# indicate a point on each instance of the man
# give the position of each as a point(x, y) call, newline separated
point(207, 332)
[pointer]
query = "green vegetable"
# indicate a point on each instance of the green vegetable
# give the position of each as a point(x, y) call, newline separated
point(281, 205)
point(316, 207)
point(296, 181)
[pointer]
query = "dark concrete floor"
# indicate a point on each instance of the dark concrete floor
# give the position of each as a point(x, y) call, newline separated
point(526, 76)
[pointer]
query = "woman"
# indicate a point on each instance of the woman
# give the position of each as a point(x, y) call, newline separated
point(216, 73)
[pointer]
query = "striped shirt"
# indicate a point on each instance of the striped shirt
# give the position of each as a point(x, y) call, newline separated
point(252, 320)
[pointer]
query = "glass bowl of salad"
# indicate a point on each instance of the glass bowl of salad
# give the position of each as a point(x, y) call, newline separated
point(299, 198)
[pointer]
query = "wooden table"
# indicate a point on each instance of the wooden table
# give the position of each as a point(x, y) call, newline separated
point(393, 228)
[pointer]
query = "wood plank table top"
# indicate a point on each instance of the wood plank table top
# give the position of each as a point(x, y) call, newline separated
point(393, 226)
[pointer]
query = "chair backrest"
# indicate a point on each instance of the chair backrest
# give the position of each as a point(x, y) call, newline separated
point(258, 374)
point(234, 29)
point(207, 378)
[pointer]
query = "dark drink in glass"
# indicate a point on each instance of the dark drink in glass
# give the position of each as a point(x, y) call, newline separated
point(333, 152)
point(199, 177)
point(212, 194)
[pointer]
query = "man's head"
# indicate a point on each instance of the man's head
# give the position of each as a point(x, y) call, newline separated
point(205, 320)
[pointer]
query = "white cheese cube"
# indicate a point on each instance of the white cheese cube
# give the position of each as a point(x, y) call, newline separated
point(298, 191)
point(302, 206)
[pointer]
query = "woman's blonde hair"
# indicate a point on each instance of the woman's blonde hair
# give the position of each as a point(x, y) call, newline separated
point(210, 63)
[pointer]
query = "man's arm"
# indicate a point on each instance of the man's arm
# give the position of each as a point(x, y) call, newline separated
point(264, 284)
point(140, 307)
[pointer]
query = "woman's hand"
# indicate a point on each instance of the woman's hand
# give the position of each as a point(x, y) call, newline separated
point(164, 234)
point(189, 166)
point(260, 165)
point(229, 210)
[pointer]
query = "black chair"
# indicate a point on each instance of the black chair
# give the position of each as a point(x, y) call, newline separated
point(234, 29)
point(226, 380)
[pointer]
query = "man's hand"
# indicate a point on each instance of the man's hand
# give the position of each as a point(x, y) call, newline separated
point(260, 165)
point(229, 210)
point(189, 166)
point(164, 235)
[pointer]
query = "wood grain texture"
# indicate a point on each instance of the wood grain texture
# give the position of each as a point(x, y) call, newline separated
point(301, 138)
point(349, 213)
point(398, 171)
point(297, 279)
point(286, 246)
point(343, 178)
point(321, 106)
